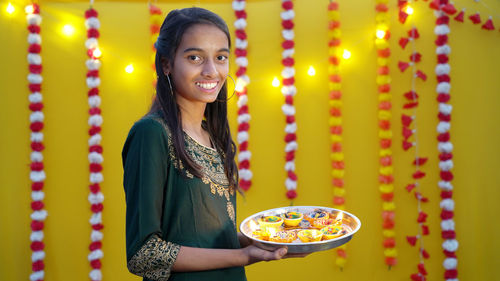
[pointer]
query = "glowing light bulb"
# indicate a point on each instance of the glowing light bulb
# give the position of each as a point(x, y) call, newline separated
point(346, 54)
point(409, 10)
point(10, 9)
point(311, 71)
point(129, 68)
point(97, 53)
point(380, 34)
point(29, 9)
point(68, 30)
point(276, 82)
point(240, 85)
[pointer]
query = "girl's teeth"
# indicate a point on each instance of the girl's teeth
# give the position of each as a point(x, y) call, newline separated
point(207, 86)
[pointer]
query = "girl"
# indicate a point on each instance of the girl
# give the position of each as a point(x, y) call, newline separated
point(180, 177)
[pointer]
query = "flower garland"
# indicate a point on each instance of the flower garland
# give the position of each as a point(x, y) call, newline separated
point(95, 149)
point(37, 174)
point(445, 147)
point(408, 132)
point(155, 21)
point(475, 18)
point(242, 80)
point(386, 177)
point(335, 120)
point(288, 90)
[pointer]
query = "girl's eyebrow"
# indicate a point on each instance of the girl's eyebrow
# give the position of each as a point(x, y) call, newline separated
point(200, 50)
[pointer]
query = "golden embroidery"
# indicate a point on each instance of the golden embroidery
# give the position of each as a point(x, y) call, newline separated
point(155, 259)
point(211, 164)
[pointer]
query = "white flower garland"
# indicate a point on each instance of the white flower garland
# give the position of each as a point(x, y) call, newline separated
point(37, 174)
point(95, 149)
point(445, 147)
point(242, 80)
point(288, 90)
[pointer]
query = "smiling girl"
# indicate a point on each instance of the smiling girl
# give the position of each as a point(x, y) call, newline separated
point(180, 177)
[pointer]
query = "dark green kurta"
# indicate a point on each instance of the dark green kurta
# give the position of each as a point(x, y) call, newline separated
point(167, 206)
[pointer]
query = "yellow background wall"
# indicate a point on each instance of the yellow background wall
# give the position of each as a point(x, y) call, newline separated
point(125, 39)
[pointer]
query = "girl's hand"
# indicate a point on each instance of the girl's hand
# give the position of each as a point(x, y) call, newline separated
point(255, 254)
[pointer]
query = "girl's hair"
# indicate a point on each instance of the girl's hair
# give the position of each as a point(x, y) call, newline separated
point(173, 28)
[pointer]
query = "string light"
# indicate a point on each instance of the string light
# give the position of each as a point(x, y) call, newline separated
point(10, 8)
point(380, 33)
point(346, 54)
point(276, 82)
point(129, 68)
point(68, 30)
point(96, 53)
point(240, 85)
point(409, 10)
point(29, 9)
point(311, 71)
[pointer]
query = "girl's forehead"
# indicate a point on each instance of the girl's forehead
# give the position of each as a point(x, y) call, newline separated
point(204, 34)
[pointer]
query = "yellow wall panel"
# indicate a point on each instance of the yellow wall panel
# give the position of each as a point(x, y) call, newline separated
point(125, 39)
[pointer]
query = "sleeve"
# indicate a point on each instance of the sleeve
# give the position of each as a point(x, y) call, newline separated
point(145, 164)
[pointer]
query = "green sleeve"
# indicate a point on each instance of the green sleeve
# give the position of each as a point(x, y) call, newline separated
point(145, 164)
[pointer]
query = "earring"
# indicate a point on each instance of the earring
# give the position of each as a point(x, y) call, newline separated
point(233, 90)
point(170, 85)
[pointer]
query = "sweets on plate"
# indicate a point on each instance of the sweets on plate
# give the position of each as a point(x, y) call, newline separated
point(284, 236)
point(292, 218)
point(309, 235)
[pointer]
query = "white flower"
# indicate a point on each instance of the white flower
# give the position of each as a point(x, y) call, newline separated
point(37, 176)
point(34, 38)
point(288, 72)
point(94, 101)
point(35, 78)
point(36, 137)
point(37, 195)
point(91, 43)
point(447, 204)
point(238, 5)
point(291, 128)
point(95, 255)
point(445, 185)
point(96, 177)
point(92, 22)
point(288, 53)
point(35, 97)
point(445, 108)
point(95, 157)
point(442, 68)
point(447, 225)
point(443, 127)
point(291, 146)
point(96, 218)
point(244, 155)
point(37, 275)
point(93, 64)
point(242, 61)
point(39, 215)
point(242, 136)
point(96, 198)
point(36, 156)
point(36, 236)
point(446, 147)
point(34, 59)
point(288, 15)
point(450, 245)
point(96, 235)
point(441, 29)
point(38, 255)
point(288, 34)
point(290, 184)
point(443, 88)
point(242, 100)
point(289, 90)
point(34, 19)
point(290, 166)
point(95, 120)
point(241, 44)
point(243, 118)
point(288, 109)
point(450, 263)
point(95, 275)
point(245, 174)
point(95, 139)
point(93, 82)
point(240, 23)
point(443, 50)
point(36, 116)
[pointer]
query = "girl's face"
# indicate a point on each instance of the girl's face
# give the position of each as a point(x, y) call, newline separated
point(200, 64)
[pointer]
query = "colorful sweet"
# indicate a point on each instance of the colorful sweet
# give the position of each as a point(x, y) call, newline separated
point(262, 235)
point(320, 223)
point(316, 214)
point(332, 231)
point(270, 222)
point(283, 236)
point(292, 218)
point(309, 235)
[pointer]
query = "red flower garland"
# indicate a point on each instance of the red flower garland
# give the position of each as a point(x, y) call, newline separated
point(288, 90)
point(242, 80)
point(37, 174)
point(408, 132)
point(335, 120)
point(95, 149)
point(445, 147)
point(155, 21)
point(386, 177)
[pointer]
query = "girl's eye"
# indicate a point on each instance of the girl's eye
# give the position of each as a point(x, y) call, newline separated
point(221, 58)
point(194, 58)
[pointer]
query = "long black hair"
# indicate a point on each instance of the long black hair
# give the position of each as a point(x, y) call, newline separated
point(173, 28)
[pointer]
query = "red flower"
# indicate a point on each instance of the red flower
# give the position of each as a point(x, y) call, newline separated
point(488, 25)
point(291, 194)
point(475, 18)
point(460, 16)
point(412, 240)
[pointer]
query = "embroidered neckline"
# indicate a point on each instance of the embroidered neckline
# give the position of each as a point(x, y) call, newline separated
point(194, 141)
